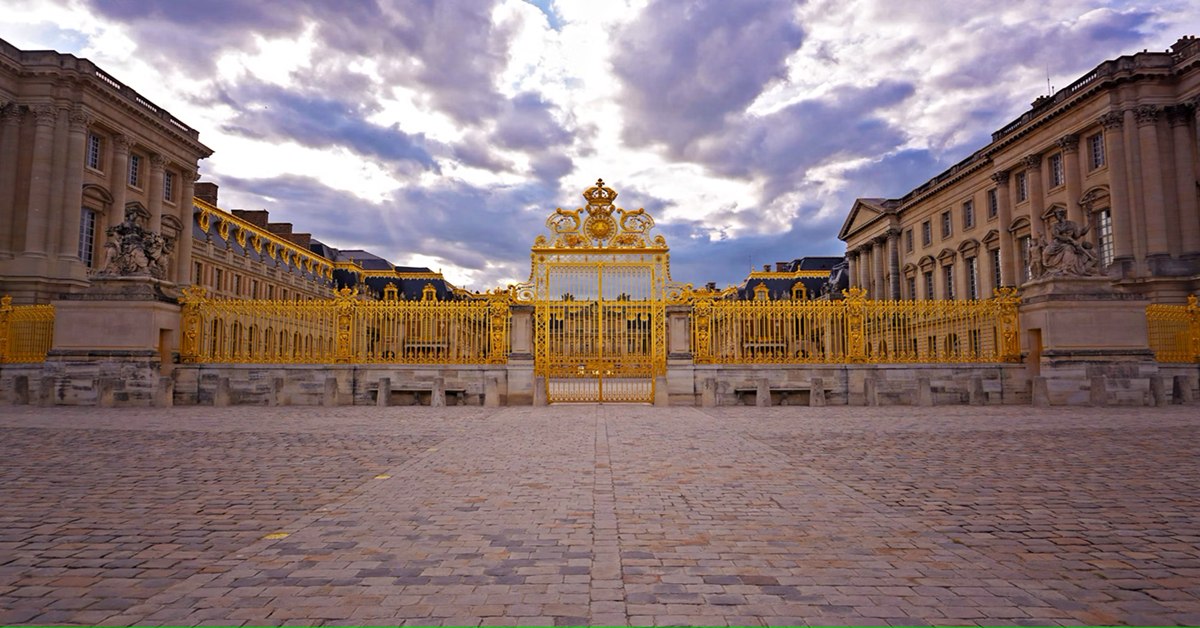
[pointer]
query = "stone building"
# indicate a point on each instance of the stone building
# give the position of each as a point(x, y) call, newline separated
point(1116, 150)
point(78, 150)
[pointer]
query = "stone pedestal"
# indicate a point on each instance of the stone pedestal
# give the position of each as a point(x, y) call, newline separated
point(123, 329)
point(1074, 329)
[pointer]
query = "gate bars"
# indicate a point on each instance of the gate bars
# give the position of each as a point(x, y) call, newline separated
point(344, 330)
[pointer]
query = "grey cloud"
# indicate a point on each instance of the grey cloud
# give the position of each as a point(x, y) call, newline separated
point(267, 111)
point(528, 123)
point(690, 69)
point(686, 64)
point(449, 48)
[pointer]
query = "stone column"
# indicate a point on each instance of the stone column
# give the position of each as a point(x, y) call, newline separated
point(1152, 182)
point(1037, 195)
point(68, 235)
point(1185, 180)
point(37, 220)
point(183, 248)
point(1118, 181)
point(119, 171)
point(1008, 251)
point(878, 289)
point(10, 132)
point(893, 248)
point(154, 193)
point(1070, 151)
point(58, 175)
point(852, 266)
point(864, 267)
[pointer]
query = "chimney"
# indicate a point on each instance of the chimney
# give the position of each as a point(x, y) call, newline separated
point(280, 228)
point(302, 240)
point(780, 266)
point(711, 286)
point(766, 268)
point(256, 217)
point(206, 191)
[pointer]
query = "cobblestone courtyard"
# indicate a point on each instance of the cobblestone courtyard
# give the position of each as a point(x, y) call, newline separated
point(573, 515)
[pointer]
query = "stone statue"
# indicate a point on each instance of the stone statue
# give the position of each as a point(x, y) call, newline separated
point(1067, 254)
point(132, 250)
point(839, 279)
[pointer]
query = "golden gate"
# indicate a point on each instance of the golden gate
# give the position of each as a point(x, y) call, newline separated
point(599, 286)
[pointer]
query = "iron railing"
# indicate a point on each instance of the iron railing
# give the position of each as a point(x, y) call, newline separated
point(855, 330)
point(344, 330)
point(1174, 331)
point(26, 332)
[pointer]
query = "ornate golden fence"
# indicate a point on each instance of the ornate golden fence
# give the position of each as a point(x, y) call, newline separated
point(344, 330)
point(855, 330)
point(26, 332)
point(1175, 331)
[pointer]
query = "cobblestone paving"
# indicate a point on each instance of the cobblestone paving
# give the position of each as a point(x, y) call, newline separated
point(608, 514)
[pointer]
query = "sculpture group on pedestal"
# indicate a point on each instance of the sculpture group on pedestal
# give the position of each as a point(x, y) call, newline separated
point(1067, 254)
point(133, 250)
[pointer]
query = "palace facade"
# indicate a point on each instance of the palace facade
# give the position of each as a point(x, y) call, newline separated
point(79, 149)
point(1117, 150)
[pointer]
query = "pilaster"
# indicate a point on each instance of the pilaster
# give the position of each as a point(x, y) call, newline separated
point(1188, 214)
point(1070, 151)
point(1008, 252)
point(1037, 194)
point(68, 236)
point(893, 248)
point(1118, 178)
point(10, 132)
point(154, 193)
point(120, 177)
point(38, 217)
point(183, 248)
point(1153, 198)
point(879, 289)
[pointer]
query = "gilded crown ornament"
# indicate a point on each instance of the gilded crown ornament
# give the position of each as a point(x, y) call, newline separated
point(594, 226)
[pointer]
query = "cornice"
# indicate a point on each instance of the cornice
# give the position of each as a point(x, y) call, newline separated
point(325, 265)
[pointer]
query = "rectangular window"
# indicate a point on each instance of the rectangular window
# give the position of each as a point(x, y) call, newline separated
point(1095, 151)
point(926, 233)
point(1104, 236)
point(1057, 177)
point(912, 288)
point(1026, 270)
point(217, 277)
point(253, 288)
point(237, 285)
point(972, 279)
point(968, 214)
point(993, 203)
point(87, 237)
point(285, 296)
point(949, 281)
point(929, 285)
point(198, 274)
point(135, 170)
point(908, 240)
point(168, 185)
point(1022, 187)
point(270, 292)
point(947, 225)
point(997, 279)
point(93, 151)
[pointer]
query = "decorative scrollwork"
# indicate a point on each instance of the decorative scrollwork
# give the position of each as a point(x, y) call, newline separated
point(595, 226)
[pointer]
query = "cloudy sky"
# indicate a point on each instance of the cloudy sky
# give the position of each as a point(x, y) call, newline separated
point(442, 132)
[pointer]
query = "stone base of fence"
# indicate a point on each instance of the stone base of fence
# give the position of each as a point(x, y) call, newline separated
point(129, 380)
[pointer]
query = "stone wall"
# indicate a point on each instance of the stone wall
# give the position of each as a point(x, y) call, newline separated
point(135, 381)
